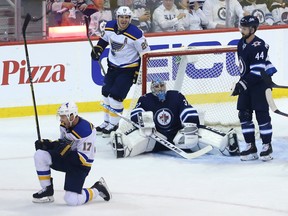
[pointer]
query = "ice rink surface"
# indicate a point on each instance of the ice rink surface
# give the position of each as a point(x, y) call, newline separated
point(150, 184)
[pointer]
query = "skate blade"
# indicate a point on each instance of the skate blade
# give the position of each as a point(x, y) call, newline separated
point(249, 157)
point(103, 182)
point(266, 158)
point(48, 199)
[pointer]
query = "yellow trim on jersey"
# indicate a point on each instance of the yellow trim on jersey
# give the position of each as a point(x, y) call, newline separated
point(42, 178)
point(84, 162)
point(130, 36)
point(76, 134)
point(91, 193)
point(131, 65)
point(109, 29)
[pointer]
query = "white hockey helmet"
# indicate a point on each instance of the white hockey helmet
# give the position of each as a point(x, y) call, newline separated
point(68, 109)
point(124, 11)
point(158, 88)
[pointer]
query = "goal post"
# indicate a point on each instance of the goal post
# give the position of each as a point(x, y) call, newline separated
point(203, 74)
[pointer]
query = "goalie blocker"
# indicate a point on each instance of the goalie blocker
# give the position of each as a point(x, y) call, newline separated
point(135, 142)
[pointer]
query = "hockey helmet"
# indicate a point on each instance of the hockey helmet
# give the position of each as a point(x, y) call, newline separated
point(68, 109)
point(249, 21)
point(124, 11)
point(158, 88)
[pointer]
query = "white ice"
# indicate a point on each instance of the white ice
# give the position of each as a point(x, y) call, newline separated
point(150, 184)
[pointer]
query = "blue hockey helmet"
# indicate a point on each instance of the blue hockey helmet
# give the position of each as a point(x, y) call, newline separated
point(249, 21)
point(158, 88)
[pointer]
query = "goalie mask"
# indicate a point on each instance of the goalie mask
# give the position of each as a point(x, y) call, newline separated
point(68, 109)
point(158, 88)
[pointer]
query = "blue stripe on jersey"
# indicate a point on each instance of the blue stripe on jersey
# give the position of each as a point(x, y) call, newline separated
point(48, 172)
point(133, 115)
point(187, 112)
point(87, 195)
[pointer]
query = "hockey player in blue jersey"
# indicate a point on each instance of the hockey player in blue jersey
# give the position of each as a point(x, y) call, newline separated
point(72, 154)
point(253, 60)
point(169, 114)
point(126, 42)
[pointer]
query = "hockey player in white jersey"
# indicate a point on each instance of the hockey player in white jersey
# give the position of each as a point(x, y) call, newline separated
point(169, 114)
point(126, 43)
point(72, 154)
point(167, 18)
point(215, 11)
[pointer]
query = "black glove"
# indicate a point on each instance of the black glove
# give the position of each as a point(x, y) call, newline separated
point(43, 144)
point(135, 76)
point(62, 147)
point(98, 51)
point(239, 87)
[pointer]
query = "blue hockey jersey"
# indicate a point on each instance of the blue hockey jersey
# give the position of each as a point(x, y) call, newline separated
point(168, 115)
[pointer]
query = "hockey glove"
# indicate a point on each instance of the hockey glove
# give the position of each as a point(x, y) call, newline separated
point(239, 87)
point(98, 51)
point(44, 144)
point(135, 77)
point(62, 147)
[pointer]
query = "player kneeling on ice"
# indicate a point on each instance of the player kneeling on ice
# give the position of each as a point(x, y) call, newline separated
point(72, 154)
point(168, 115)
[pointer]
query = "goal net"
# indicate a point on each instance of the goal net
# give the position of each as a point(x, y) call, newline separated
point(204, 75)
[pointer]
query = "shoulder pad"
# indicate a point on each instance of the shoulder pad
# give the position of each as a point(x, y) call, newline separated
point(82, 129)
point(110, 26)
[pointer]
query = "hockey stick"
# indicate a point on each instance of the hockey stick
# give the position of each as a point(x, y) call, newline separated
point(91, 44)
point(163, 141)
point(271, 103)
point(268, 80)
point(24, 27)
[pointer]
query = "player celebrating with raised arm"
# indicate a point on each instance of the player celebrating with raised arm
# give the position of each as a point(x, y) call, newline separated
point(72, 154)
point(169, 115)
point(253, 60)
point(126, 42)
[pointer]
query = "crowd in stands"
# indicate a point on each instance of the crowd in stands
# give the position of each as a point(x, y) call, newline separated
point(167, 15)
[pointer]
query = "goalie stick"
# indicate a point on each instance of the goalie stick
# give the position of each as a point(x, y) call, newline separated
point(268, 80)
point(163, 141)
point(24, 27)
point(271, 103)
point(90, 42)
point(268, 93)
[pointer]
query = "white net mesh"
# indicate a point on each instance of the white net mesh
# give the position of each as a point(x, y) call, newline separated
point(204, 75)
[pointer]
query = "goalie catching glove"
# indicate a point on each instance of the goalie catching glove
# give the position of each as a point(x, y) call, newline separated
point(146, 123)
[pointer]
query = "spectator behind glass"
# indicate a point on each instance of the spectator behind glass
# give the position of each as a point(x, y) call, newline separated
point(279, 11)
point(99, 19)
point(259, 10)
point(195, 18)
point(166, 18)
point(66, 12)
point(215, 11)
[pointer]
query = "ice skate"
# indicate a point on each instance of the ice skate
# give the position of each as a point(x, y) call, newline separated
point(250, 153)
point(265, 154)
point(107, 130)
point(45, 195)
point(99, 129)
point(103, 189)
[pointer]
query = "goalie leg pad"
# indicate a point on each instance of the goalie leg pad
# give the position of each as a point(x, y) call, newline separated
point(132, 143)
point(215, 138)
